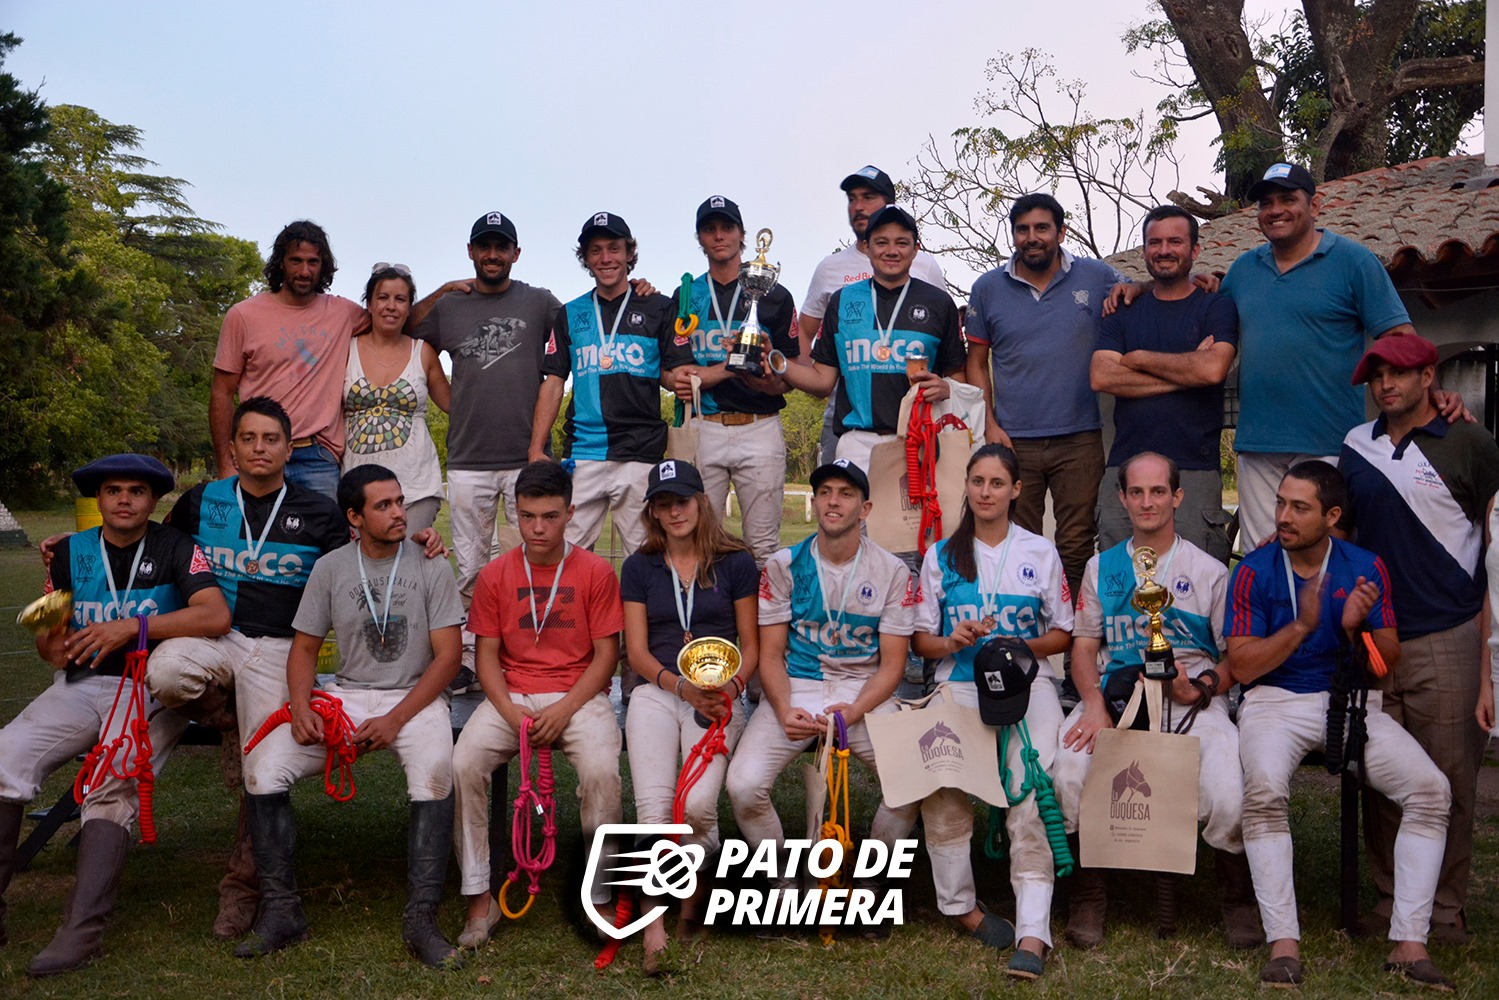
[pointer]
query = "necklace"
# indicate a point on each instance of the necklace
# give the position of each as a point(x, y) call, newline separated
point(382, 620)
point(685, 593)
point(537, 624)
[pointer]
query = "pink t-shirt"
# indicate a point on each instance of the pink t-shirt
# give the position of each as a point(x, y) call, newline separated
point(294, 354)
point(587, 608)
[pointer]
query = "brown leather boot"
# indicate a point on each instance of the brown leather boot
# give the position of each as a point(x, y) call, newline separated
point(1242, 927)
point(80, 939)
point(239, 890)
point(1088, 905)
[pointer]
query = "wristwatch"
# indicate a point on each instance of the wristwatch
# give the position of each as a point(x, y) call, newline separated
point(777, 362)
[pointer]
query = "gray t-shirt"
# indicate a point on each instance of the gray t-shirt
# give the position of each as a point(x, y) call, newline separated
point(496, 344)
point(425, 598)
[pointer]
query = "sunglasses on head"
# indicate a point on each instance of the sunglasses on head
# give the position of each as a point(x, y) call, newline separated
point(386, 265)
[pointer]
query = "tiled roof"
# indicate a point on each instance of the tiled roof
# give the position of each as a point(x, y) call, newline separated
point(1434, 223)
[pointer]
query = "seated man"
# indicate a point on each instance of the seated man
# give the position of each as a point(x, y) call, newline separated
point(127, 567)
point(1150, 490)
point(836, 617)
point(397, 617)
point(1283, 646)
point(545, 651)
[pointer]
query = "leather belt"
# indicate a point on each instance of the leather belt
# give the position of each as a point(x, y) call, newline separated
point(736, 419)
point(306, 442)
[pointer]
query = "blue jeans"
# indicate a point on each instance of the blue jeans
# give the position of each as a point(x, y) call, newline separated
point(314, 467)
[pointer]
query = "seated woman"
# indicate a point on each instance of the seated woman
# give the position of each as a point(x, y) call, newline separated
point(993, 578)
point(689, 579)
point(387, 386)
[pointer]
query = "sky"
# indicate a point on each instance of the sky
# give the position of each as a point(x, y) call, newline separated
point(396, 125)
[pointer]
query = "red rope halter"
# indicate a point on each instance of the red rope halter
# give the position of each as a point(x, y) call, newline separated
point(128, 755)
point(338, 737)
point(921, 466)
point(540, 799)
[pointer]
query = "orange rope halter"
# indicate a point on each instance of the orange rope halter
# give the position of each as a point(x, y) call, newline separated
point(338, 737)
point(128, 755)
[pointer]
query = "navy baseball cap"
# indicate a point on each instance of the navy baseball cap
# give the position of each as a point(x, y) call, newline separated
point(493, 224)
point(141, 468)
point(889, 214)
point(719, 205)
point(1288, 176)
point(1003, 671)
point(672, 476)
point(604, 222)
point(841, 469)
point(873, 177)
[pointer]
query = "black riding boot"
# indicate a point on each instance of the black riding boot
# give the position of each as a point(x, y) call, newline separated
point(273, 835)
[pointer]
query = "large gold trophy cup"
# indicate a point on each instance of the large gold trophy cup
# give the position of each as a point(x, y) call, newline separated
point(1150, 598)
point(708, 663)
point(757, 278)
point(47, 614)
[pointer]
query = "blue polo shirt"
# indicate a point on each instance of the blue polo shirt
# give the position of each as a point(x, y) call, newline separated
point(1301, 334)
point(1259, 604)
point(1040, 345)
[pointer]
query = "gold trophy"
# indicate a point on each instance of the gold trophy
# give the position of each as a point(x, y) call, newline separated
point(756, 278)
point(708, 663)
point(1150, 598)
point(48, 613)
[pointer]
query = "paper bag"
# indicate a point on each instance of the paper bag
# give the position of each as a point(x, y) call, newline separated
point(1139, 804)
point(681, 439)
point(934, 743)
point(815, 775)
point(894, 521)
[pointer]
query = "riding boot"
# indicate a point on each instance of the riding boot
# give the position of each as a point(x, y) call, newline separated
point(1087, 907)
point(239, 890)
point(10, 834)
point(429, 844)
point(101, 859)
point(1167, 904)
point(273, 835)
point(1242, 927)
point(213, 708)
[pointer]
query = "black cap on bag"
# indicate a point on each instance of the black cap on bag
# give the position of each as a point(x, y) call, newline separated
point(1003, 671)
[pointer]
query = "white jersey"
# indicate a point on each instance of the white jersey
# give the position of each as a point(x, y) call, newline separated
point(847, 266)
point(1020, 584)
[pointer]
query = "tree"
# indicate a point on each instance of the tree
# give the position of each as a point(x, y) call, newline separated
point(1326, 90)
point(1036, 134)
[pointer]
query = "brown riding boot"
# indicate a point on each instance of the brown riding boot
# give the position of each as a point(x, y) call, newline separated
point(239, 890)
point(1087, 907)
point(1242, 927)
point(80, 939)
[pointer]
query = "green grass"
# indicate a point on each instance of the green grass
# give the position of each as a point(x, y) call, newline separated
point(351, 866)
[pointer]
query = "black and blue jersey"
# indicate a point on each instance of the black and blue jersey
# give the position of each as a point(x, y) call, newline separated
point(709, 346)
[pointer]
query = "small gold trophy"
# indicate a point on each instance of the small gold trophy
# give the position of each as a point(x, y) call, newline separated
point(48, 613)
point(757, 278)
point(1150, 598)
point(708, 663)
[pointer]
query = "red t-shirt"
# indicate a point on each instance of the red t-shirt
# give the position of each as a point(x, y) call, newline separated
point(587, 608)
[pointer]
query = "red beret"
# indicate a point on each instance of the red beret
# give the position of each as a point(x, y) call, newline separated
point(1403, 350)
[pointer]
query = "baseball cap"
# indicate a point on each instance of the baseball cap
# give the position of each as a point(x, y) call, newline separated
point(493, 224)
point(124, 466)
point(1003, 671)
point(672, 476)
point(841, 469)
point(1290, 176)
point(605, 222)
point(719, 205)
point(870, 176)
point(1403, 350)
point(889, 214)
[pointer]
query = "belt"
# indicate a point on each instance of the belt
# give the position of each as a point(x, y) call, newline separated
point(306, 442)
point(736, 419)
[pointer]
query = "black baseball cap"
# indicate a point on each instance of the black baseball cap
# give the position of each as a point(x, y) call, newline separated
point(719, 205)
point(889, 214)
point(142, 468)
point(1290, 176)
point(493, 224)
point(672, 476)
point(604, 222)
point(841, 469)
point(873, 177)
point(1003, 671)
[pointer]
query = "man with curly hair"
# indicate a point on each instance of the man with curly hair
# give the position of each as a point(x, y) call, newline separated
point(291, 343)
